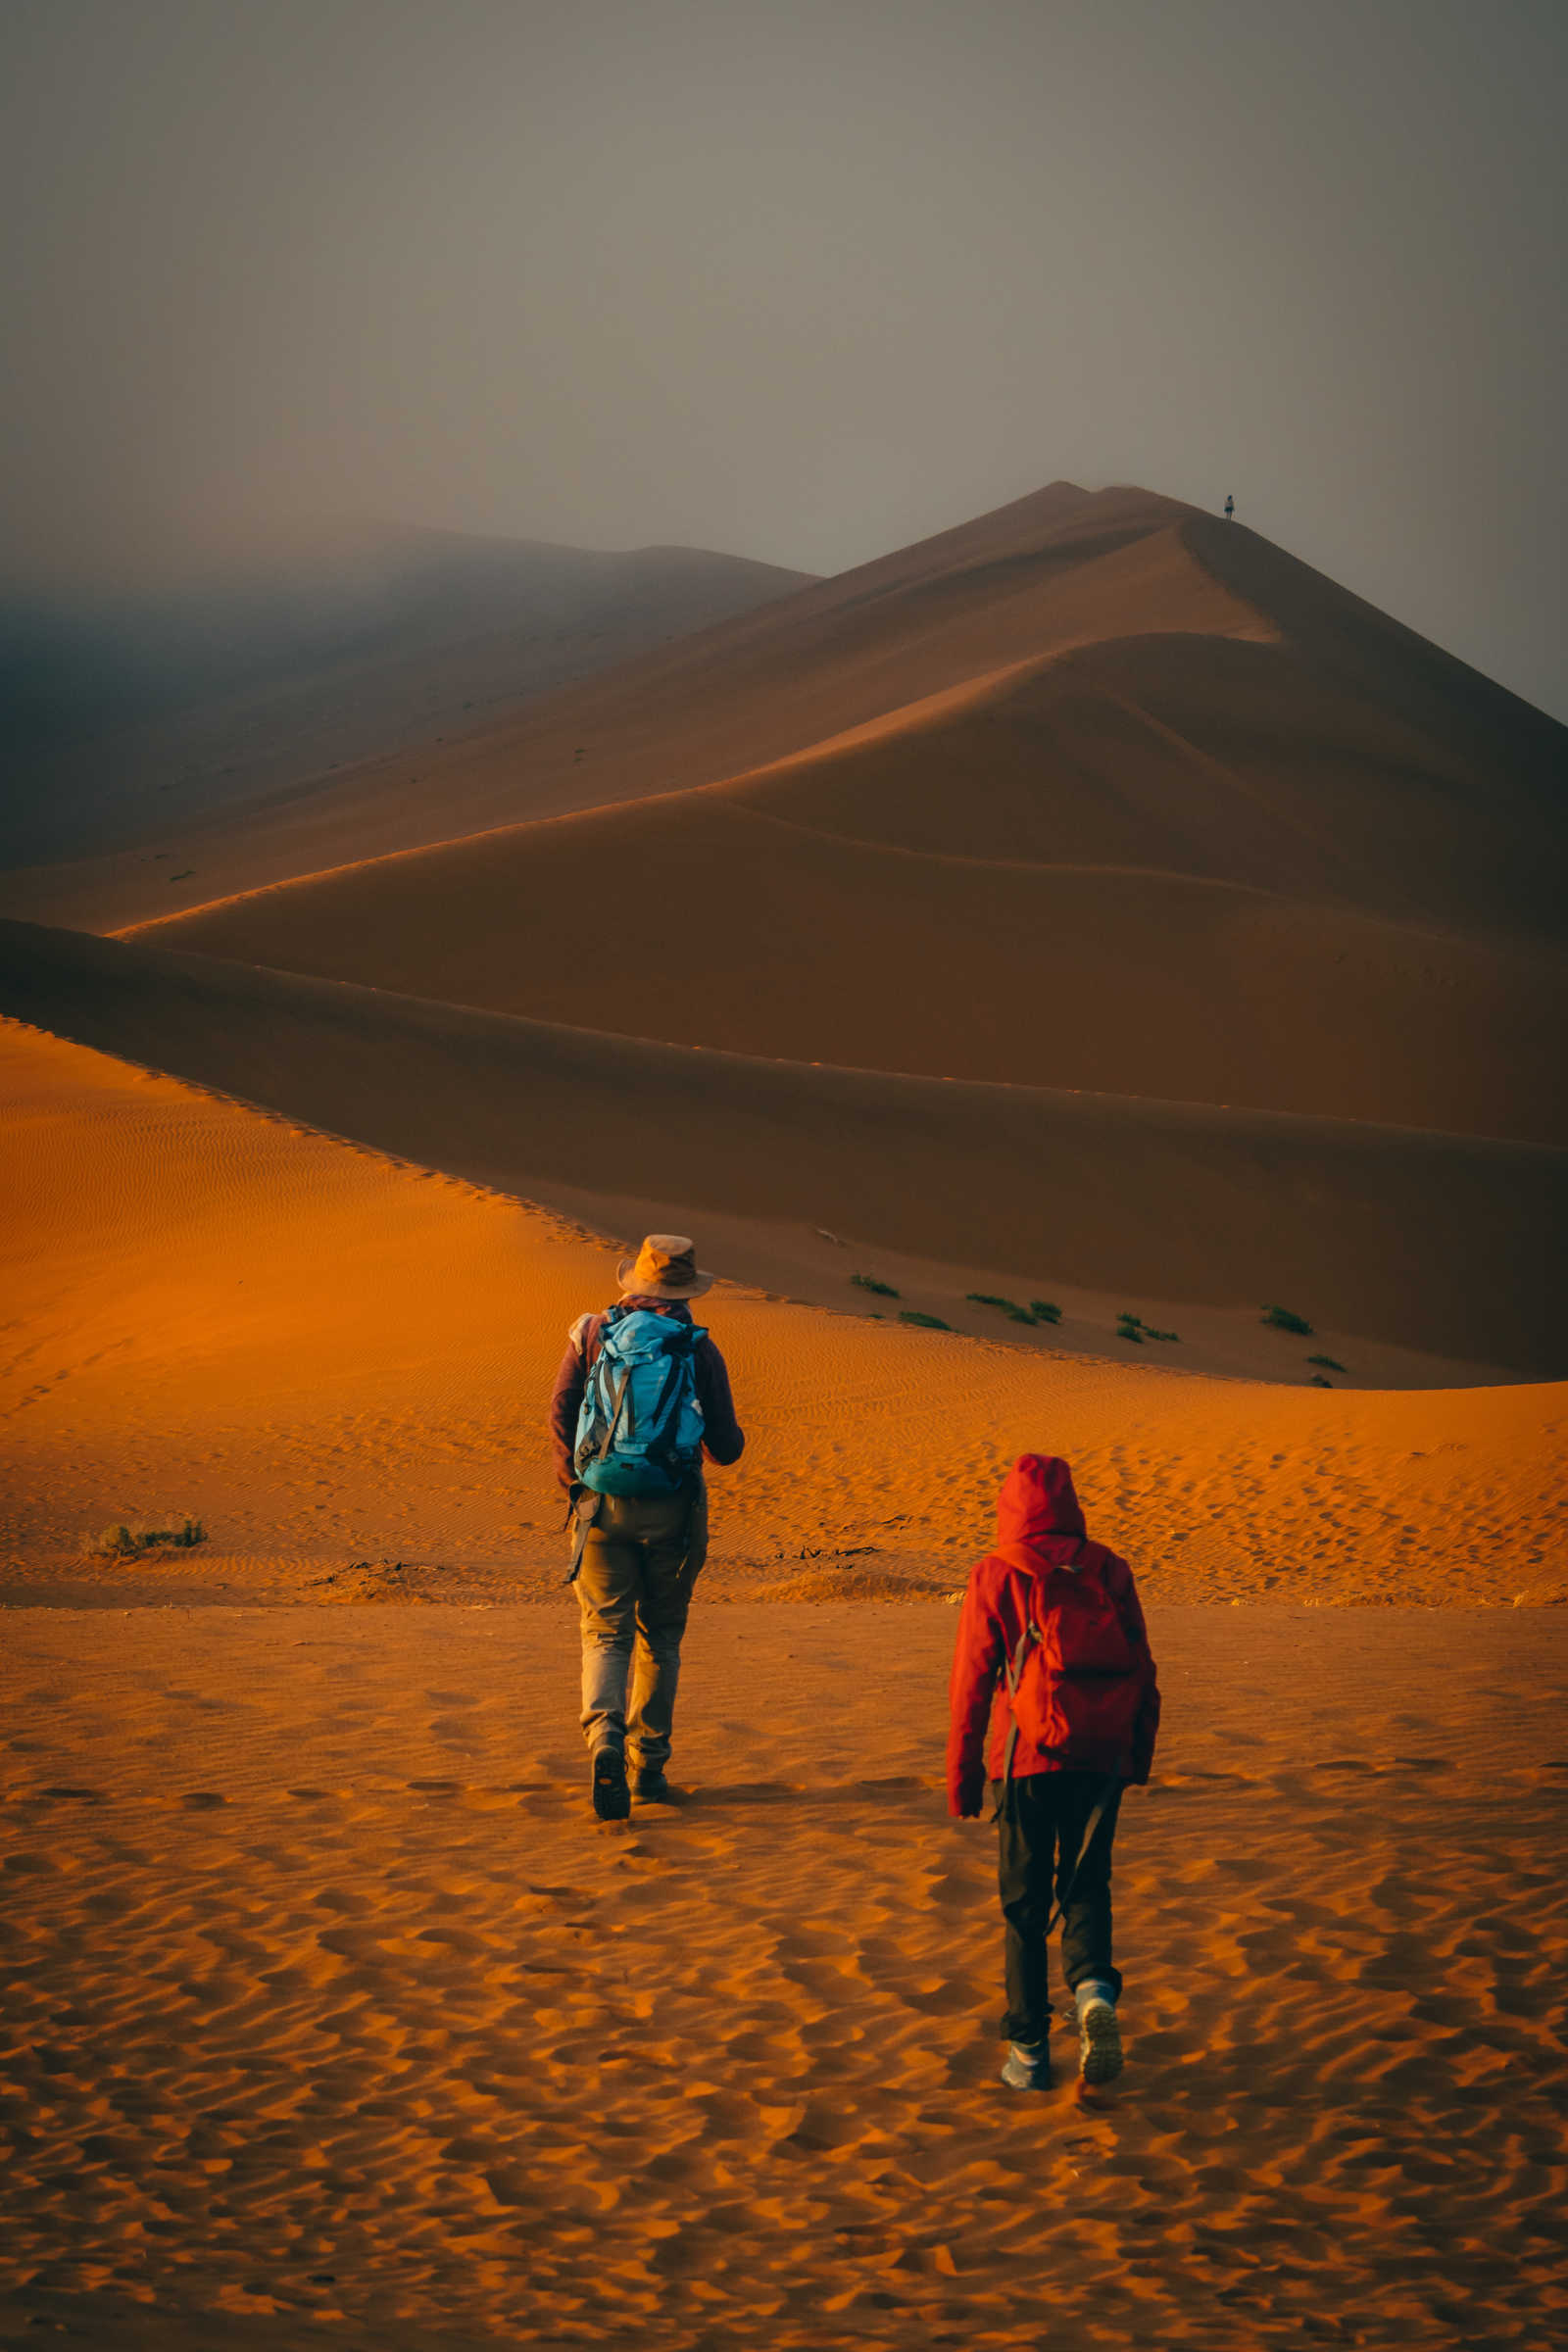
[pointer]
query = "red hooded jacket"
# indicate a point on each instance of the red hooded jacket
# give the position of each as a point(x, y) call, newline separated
point(1041, 1525)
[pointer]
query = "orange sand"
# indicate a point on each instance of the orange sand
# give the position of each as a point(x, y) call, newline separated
point(327, 2000)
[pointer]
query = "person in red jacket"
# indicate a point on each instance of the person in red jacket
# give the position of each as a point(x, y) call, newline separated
point(1056, 1806)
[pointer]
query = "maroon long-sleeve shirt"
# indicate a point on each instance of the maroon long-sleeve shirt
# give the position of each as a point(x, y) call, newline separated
point(724, 1438)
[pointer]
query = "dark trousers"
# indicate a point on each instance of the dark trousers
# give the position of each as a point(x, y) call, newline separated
point(1041, 1828)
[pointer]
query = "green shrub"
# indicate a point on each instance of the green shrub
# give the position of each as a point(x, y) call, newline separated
point(910, 1314)
point(125, 1542)
point(1010, 1306)
point(869, 1282)
point(1128, 1327)
point(1150, 1332)
point(1318, 1381)
point(1327, 1361)
point(1044, 1311)
point(1280, 1318)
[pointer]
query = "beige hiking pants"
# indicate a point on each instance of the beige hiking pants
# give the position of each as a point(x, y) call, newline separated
point(639, 1564)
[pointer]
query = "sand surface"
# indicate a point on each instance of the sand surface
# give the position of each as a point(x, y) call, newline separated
point(332, 2015)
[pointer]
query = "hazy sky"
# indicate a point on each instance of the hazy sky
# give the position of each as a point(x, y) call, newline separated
point(800, 278)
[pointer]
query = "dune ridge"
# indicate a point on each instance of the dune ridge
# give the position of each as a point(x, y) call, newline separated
point(1049, 569)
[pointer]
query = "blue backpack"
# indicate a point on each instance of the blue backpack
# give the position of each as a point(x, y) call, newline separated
point(640, 1426)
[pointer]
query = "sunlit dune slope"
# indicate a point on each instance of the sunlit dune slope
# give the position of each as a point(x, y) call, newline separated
point(325, 1356)
point(1063, 566)
point(1186, 862)
point(1441, 1242)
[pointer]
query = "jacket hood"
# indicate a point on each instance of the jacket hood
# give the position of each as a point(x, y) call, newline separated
point(1037, 1504)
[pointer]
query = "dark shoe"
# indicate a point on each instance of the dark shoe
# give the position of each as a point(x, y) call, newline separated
point(651, 1788)
point(611, 1798)
point(1027, 2067)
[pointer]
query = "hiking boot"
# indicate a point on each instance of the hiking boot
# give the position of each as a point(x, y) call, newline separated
point(611, 1797)
point(1099, 2042)
point(1027, 2066)
point(649, 1786)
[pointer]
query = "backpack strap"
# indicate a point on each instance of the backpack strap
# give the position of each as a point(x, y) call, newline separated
point(619, 1406)
point(1014, 1674)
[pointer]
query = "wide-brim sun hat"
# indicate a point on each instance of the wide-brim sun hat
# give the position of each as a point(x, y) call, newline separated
point(664, 1267)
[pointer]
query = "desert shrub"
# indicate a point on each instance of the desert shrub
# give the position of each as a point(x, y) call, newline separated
point(126, 1543)
point(1327, 1361)
point(1150, 1332)
point(869, 1282)
point(1318, 1381)
point(1010, 1306)
point(1044, 1311)
point(1128, 1327)
point(1280, 1318)
point(911, 1315)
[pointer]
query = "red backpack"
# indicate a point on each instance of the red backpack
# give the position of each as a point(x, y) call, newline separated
point(1075, 1682)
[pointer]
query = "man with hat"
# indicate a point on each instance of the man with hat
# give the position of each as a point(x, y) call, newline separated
point(636, 1555)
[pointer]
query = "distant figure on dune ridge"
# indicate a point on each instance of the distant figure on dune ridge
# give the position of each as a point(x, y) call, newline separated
point(642, 1395)
point(1052, 1655)
point(1230, 507)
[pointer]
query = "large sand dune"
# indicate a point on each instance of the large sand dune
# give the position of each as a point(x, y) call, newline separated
point(726, 919)
point(1270, 852)
point(1439, 1242)
point(1062, 568)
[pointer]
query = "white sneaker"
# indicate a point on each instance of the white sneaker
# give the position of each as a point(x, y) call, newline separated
point(1099, 2042)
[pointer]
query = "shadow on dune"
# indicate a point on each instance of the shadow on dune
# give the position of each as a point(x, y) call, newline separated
point(1437, 1242)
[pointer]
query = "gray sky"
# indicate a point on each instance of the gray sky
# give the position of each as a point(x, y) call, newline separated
point(800, 278)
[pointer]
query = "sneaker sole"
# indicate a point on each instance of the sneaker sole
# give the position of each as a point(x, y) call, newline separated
point(1100, 2044)
point(611, 1794)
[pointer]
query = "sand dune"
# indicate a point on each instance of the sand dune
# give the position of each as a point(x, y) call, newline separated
point(1061, 567)
point(1184, 862)
point(727, 919)
point(1361, 1228)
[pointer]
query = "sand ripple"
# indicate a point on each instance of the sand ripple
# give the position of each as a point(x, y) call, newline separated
point(325, 1996)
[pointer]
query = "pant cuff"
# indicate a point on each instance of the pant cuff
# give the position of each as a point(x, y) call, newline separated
point(1093, 1989)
